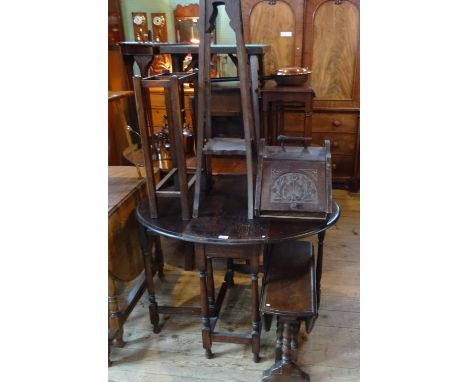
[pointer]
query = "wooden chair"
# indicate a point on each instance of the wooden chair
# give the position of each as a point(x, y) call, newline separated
point(217, 145)
point(289, 293)
point(173, 91)
point(211, 304)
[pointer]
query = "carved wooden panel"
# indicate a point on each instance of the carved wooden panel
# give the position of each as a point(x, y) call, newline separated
point(331, 50)
point(294, 182)
point(278, 23)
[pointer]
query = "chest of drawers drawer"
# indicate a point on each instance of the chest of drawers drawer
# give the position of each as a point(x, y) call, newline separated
point(333, 122)
point(342, 166)
point(157, 97)
point(342, 144)
point(157, 115)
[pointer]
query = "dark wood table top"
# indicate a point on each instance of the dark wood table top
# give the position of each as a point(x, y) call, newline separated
point(223, 219)
point(215, 49)
point(271, 87)
point(140, 47)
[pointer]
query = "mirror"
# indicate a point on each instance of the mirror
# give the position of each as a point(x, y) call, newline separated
point(186, 29)
point(186, 24)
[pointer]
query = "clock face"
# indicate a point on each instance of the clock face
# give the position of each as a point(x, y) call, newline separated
point(139, 20)
point(158, 20)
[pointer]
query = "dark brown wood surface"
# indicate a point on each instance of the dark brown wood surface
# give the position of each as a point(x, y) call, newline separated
point(223, 219)
point(125, 190)
point(289, 282)
point(125, 262)
point(252, 49)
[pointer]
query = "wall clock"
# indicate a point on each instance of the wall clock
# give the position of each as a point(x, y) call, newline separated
point(139, 20)
point(159, 27)
point(158, 20)
point(140, 26)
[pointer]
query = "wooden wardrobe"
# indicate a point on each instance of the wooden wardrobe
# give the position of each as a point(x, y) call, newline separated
point(322, 35)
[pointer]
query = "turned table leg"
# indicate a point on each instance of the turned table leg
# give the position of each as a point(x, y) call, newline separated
point(200, 261)
point(279, 340)
point(159, 256)
point(115, 321)
point(146, 248)
point(210, 287)
point(321, 238)
point(256, 322)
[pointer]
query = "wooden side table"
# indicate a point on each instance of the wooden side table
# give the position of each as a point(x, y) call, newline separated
point(223, 230)
point(126, 190)
point(275, 99)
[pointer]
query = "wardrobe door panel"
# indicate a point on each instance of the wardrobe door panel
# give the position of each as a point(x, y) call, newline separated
point(274, 25)
point(331, 50)
point(278, 23)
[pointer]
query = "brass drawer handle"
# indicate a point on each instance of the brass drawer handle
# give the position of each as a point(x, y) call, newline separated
point(335, 144)
point(334, 166)
point(336, 123)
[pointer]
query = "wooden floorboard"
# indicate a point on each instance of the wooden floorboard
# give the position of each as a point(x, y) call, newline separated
point(330, 353)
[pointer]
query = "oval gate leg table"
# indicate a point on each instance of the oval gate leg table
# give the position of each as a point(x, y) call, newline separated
point(223, 230)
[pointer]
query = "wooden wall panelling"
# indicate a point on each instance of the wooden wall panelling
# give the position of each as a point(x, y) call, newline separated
point(140, 26)
point(278, 23)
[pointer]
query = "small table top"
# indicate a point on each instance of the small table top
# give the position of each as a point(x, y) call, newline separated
point(123, 180)
point(271, 87)
point(223, 219)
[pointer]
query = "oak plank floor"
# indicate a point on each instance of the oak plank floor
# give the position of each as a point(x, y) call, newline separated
point(329, 354)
